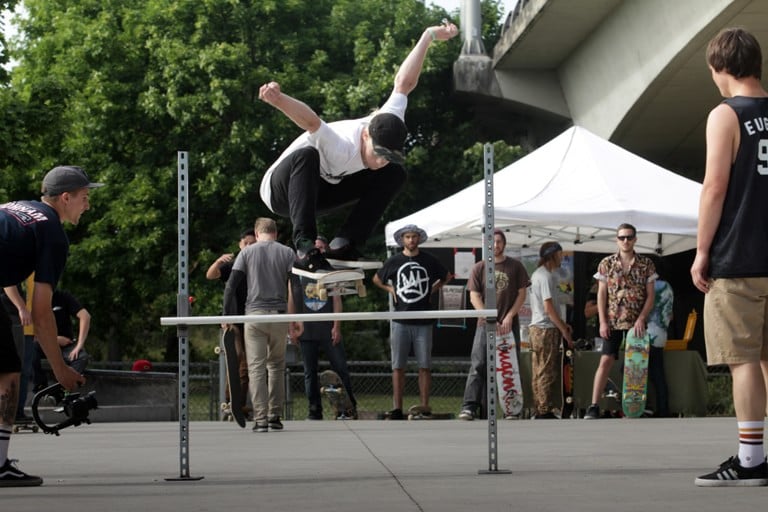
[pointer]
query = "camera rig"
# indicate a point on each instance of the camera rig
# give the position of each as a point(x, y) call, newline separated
point(73, 405)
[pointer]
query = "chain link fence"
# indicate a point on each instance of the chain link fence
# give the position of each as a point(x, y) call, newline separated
point(372, 384)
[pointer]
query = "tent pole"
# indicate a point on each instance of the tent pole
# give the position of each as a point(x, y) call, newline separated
point(490, 303)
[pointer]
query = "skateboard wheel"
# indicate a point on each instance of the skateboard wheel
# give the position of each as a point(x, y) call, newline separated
point(569, 400)
point(217, 350)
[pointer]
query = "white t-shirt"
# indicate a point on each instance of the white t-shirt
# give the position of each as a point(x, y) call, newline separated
point(543, 287)
point(338, 144)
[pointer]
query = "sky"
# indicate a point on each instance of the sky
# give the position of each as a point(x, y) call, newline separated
point(452, 5)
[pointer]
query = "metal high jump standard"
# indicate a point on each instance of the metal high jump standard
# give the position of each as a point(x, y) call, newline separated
point(183, 320)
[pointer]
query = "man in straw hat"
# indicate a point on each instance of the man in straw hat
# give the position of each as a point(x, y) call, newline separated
point(410, 277)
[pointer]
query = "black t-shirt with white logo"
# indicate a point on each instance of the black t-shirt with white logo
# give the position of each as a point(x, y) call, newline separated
point(412, 278)
point(32, 239)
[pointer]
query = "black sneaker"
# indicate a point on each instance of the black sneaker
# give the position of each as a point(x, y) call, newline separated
point(11, 476)
point(260, 426)
point(395, 414)
point(346, 253)
point(275, 423)
point(593, 412)
point(731, 474)
point(315, 415)
point(314, 261)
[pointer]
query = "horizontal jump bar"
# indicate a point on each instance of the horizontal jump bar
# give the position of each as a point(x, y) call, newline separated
point(325, 317)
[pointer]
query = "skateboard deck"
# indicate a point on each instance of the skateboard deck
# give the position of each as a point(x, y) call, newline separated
point(333, 282)
point(418, 412)
point(567, 388)
point(635, 385)
point(355, 264)
point(333, 389)
point(508, 383)
point(236, 398)
point(29, 425)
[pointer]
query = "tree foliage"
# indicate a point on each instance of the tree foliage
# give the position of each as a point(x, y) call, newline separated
point(120, 87)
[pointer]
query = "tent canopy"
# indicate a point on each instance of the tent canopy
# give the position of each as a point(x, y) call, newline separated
point(575, 189)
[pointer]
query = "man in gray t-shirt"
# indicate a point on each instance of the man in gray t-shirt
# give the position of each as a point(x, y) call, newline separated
point(266, 267)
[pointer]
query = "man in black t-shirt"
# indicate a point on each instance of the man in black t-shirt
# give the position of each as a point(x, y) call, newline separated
point(411, 277)
point(32, 239)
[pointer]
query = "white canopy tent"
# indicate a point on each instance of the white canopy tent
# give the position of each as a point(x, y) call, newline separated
point(575, 189)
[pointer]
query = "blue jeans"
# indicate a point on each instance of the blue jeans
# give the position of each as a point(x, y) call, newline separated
point(407, 336)
point(310, 352)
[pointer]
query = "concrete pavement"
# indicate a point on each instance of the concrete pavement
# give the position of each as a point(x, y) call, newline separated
point(602, 465)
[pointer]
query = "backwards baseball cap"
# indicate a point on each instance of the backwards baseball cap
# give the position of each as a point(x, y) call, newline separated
point(66, 178)
point(549, 248)
point(388, 133)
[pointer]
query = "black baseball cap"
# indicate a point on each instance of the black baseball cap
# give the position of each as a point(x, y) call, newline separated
point(66, 178)
point(388, 133)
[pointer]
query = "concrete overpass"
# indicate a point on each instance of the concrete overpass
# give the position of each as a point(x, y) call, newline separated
point(631, 71)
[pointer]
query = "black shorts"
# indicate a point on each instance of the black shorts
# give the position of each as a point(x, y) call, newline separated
point(612, 345)
point(9, 357)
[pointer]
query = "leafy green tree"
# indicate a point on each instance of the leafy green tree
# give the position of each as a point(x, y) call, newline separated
point(120, 87)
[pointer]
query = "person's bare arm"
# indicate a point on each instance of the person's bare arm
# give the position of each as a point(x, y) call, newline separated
point(295, 110)
point(407, 76)
point(336, 329)
point(554, 316)
point(295, 329)
point(602, 309)
point(12, 292)
point(214, 271)
point(722, 139)
point(642, 319)
point(84, 327)
point(45, 332)
point(386, 287)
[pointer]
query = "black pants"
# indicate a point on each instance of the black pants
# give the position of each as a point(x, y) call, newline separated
point(299, 193)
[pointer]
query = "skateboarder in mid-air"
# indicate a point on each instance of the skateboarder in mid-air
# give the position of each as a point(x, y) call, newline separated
point(357, 161)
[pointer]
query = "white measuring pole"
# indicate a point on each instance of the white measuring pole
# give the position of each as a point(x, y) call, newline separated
point(325, 317)
point(490, 325)
point(182, 310)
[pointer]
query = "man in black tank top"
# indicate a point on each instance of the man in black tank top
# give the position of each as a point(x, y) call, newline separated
point(730, 265)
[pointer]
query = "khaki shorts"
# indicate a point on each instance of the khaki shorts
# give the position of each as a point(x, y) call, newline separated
point(736, 320)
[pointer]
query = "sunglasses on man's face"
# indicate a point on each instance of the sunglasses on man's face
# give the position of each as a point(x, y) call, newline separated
point(625, 238)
